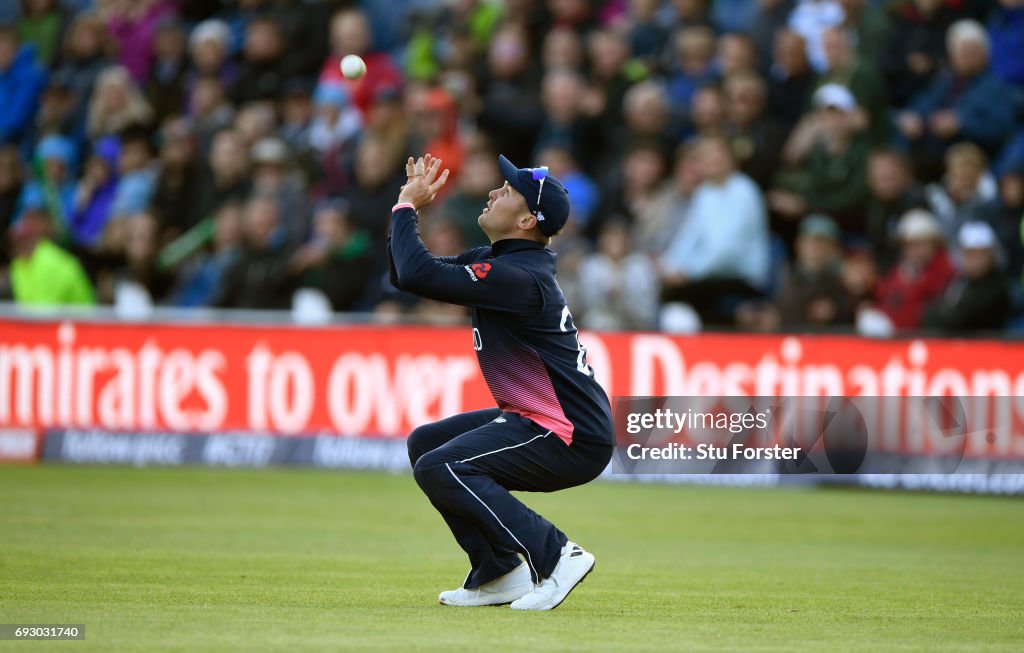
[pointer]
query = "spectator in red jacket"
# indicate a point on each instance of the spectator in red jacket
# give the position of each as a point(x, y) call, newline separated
point(922, 273)
point(350, 34)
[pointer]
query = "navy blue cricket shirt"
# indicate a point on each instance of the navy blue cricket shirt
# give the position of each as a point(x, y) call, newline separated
point(523, 334)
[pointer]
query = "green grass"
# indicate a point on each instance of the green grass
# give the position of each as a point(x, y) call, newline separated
point(288, 560)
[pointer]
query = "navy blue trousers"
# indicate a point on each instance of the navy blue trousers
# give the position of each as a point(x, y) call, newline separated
point(468, 464)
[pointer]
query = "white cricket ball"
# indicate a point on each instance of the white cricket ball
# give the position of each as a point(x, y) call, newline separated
point(353, 66)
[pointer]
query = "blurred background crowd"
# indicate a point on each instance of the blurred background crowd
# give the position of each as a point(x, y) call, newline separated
point(764, 165)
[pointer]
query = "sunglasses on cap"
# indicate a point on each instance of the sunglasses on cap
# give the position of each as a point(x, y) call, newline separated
point(540, 174)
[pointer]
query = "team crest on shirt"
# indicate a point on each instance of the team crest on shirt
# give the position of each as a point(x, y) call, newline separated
point(478, 271)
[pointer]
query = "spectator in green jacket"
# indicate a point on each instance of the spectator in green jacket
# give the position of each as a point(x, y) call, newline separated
point(828, 163)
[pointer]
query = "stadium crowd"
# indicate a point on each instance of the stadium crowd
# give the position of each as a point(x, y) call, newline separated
point(755, 164)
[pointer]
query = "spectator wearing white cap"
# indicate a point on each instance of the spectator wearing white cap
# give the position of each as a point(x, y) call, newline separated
point(979, 297)
point(922, 273)
point(828, 163)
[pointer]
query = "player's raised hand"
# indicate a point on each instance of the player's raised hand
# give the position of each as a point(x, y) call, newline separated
point(423, 182)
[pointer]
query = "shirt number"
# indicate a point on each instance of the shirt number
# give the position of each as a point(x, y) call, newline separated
point(581, 359)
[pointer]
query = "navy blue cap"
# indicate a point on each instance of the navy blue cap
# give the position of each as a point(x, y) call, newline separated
point(553, 212)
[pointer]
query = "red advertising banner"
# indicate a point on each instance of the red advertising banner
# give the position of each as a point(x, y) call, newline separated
point(385, 380)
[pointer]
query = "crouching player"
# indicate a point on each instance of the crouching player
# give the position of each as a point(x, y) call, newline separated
point(552, 425)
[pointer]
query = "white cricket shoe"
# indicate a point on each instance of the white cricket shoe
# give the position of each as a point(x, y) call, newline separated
point(500, 591)
point(573, 566)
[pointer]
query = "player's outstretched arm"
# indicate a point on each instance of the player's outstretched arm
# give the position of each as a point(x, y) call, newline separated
point(492, 285)
point(424, 164)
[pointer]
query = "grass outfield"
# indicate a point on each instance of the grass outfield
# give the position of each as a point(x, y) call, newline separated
point(217, 560)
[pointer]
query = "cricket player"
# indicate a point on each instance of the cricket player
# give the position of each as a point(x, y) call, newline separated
point(552, 426)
